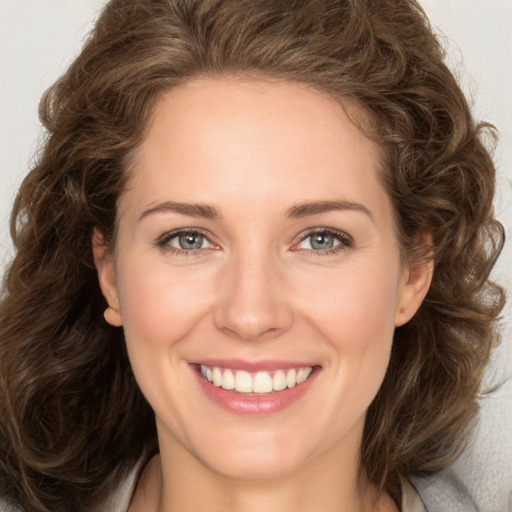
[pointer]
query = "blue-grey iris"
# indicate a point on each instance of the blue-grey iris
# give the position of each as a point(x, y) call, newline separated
point(190, 241)
point(322, 241)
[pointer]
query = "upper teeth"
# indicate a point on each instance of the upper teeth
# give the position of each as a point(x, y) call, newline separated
point(259, 382)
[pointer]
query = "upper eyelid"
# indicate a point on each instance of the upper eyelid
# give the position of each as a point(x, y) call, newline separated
point(331, 231)
point(165, 237)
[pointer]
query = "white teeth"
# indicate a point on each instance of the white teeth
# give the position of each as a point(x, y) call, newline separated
point(279, 381)
point(243, 382)
point(217, 377)
point(228, 380)
point(260, 382)
point(303, 374)
point(291, 378)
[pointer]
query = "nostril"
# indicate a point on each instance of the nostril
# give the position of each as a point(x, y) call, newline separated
point(246, 334)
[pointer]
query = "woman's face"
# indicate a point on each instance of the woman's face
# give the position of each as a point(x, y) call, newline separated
point(256, 248)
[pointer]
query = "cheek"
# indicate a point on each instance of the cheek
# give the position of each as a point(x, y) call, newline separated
point(159, 306)
point(355, 316)
point(355, 304)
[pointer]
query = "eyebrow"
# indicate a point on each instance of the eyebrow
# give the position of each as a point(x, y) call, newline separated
point(191, 209)
point(299, 211)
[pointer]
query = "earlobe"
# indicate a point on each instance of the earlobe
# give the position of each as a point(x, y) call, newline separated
point(104, 262)
point(416, 283)
point(113, 317)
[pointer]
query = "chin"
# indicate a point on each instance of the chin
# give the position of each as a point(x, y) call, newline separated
point(256, 467)
point(256, 455)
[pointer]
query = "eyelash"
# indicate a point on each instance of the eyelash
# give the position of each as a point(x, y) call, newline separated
point(163, 242)
point(345, 242)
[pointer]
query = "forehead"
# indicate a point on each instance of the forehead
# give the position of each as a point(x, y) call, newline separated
point(269, 137)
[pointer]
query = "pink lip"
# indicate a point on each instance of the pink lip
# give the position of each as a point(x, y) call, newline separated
point(255, 405)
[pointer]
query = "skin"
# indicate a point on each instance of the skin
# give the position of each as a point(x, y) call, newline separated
point(257, 290)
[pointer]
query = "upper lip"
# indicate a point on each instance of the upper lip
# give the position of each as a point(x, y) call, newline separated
point(253, 366)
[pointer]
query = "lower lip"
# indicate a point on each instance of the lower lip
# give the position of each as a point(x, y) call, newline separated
point(255, 405)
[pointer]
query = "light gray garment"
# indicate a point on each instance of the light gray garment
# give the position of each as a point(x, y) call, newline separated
point(481, 479)
point(7, 506)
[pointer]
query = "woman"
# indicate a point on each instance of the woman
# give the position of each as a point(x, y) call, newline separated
point(252, 264)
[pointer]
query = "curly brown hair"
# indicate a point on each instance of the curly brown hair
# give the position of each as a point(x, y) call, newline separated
point(73, 419)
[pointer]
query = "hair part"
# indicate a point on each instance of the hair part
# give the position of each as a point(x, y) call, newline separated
point(75, 421)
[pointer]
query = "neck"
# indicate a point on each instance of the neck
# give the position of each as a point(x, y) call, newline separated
point(186, 484)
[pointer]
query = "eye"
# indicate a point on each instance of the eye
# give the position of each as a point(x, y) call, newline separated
point(185, 241)
point(324, 241)
point(188, 241)
point(319, 242)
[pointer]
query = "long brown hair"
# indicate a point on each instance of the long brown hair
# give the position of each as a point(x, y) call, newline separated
point(73, 420)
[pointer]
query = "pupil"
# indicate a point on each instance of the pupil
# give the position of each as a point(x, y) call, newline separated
point(322, 241)
point(190, 241)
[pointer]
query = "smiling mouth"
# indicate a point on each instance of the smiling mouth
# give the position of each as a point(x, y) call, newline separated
point(255, 383)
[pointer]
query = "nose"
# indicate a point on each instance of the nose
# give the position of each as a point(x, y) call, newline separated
point(252, 300)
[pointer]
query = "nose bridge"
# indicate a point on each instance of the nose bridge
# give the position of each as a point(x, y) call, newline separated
point(252, 296)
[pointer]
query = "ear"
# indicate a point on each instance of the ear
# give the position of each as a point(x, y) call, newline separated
point(413, 289)
point(105, 266)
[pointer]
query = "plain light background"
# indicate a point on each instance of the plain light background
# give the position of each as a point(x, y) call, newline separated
point(39, 38)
